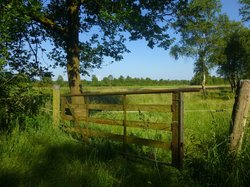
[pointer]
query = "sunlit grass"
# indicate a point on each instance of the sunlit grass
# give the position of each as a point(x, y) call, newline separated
point(40, 155)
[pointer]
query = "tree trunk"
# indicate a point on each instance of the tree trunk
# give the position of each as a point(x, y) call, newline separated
point(202, 68)
point(72, 42)
point(204, 82)
point(233, 82)
point(73, 63)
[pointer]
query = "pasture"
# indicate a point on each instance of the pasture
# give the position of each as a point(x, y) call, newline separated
point(40, 155)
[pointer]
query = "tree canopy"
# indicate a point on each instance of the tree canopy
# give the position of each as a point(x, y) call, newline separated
point(231, 52)
point(245, 10)
point(196, 26)
point(82, 32)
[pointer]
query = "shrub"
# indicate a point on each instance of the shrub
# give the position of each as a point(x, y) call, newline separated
point(18, 99)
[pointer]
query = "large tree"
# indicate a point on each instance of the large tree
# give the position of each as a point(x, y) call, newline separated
point(231, 51)
point(195, 25)
point(83, 32)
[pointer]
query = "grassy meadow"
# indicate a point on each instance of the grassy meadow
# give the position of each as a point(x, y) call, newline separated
point(40, 155)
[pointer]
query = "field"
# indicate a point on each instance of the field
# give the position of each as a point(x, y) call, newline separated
point(40, 155)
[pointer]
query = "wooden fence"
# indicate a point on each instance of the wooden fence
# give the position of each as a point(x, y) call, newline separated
point(78, 108)
point(79, 112)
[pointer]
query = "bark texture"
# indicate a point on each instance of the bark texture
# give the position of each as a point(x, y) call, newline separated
point(239, 117)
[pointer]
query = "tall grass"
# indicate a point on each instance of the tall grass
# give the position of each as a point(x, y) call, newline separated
point(40, 155)
point(43, 156)
point(207, 161)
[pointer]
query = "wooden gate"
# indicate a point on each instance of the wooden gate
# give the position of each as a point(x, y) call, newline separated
point(176, 107)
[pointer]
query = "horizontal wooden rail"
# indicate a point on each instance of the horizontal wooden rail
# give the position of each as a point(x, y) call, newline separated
point(147, 91)
point(108, 107)
point(117, 107)
point(134, 124)
point(116, 137)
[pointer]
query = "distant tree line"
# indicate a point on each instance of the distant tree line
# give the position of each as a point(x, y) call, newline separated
point(110, 80)
point(130, 81)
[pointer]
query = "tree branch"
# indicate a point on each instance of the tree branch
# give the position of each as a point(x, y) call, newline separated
point(49, 23)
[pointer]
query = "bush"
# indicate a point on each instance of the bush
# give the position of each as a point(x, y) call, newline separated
point(18, 99)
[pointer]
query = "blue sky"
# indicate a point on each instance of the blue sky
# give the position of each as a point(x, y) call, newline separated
point(154, 63)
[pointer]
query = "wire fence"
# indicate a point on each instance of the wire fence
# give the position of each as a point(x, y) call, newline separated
point(215, 110)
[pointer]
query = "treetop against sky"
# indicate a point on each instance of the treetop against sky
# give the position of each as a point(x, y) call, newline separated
point(157, 63)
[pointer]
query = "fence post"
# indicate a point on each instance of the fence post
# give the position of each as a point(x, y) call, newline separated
point(86, 100)
point(124, 122)
point(56, 106)
point(239, 116)
point(63, 103)
point(177, 129)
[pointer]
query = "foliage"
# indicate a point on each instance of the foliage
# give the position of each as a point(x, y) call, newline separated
point(18, 99)
point(83, 33)
point(196, 27)
point(237, 58)
point(60, 81)
point(231, 51)
point(20, 40)
point(105, 21)
point(245, 10)
point(129, 81)
point(211, 80)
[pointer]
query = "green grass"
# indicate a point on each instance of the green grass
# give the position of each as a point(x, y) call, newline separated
point(40, 155)
point(43, 156)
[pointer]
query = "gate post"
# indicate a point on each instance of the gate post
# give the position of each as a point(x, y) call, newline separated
point(56, 105)
point(177, 129)
point(239, 117)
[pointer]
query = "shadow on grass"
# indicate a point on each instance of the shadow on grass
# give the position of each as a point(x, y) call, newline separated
point(74, 165)
point(9, 178)
point(77, 164)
